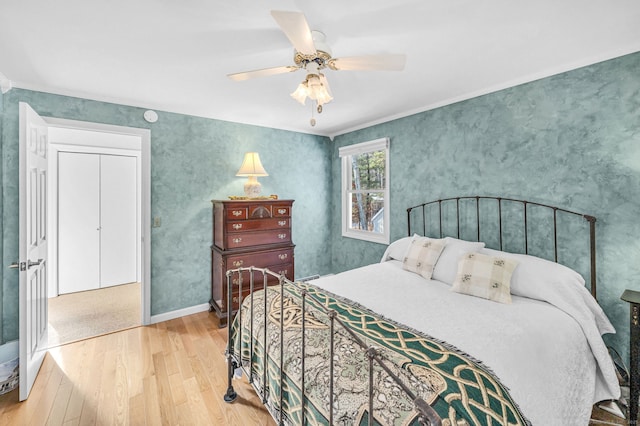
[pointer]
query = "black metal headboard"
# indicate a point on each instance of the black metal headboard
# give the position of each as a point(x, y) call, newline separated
point(488, 212)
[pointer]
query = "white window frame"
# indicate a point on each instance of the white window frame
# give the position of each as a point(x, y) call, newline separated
point(345, 153)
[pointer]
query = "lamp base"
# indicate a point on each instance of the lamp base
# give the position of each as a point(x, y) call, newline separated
point(252, 187)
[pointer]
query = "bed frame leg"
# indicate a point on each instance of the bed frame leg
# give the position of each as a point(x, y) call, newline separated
point(231, 394)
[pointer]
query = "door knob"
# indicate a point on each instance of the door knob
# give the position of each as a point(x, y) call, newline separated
point(18, 265)
point(30, 263)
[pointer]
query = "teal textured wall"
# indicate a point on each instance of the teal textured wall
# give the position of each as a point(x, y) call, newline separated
point(571, 140)
point(193, 160)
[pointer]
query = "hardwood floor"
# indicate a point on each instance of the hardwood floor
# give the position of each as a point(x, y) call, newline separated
point(171, 373)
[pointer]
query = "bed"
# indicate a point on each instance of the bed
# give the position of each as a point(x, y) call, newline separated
point(430, 335)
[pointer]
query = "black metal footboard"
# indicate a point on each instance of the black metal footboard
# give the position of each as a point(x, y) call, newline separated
point(427, 416)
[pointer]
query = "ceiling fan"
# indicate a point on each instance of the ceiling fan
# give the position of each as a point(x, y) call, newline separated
point(312, 54)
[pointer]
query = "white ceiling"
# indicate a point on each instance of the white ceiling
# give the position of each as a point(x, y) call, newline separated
point(174, 55)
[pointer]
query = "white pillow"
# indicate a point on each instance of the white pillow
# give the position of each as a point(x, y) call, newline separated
point(535, 271)
point(397, 249)
point(422, 256)
point(542, 279)
point(485, 276)
point(447, 265)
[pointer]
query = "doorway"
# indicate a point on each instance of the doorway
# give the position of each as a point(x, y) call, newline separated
point(97, 309)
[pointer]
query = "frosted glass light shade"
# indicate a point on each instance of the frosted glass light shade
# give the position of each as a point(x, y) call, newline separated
point(315, 87)
point(300, 94)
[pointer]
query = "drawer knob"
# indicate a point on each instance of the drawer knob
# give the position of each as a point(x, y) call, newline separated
point(282, 222)
point(282, 236)
point(236, 213)
point(283, 256)
point(237, 226)
point(285, 272)
point(235, 299)
point(237, 263)
point(237, 240)
point(282, 211)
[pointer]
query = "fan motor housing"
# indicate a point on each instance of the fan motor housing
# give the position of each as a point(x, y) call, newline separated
point(321, 58)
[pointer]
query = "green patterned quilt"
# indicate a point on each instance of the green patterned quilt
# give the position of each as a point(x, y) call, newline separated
point(461, 390)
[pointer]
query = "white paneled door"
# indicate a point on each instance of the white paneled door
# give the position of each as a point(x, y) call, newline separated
point(78, 222)
point(118, 225)
point(33, 245)
point(97, 221)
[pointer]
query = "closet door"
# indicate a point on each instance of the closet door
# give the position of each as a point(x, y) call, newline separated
point(118, 201)
point(78, 222)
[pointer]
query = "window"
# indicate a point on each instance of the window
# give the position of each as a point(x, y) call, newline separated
point(365, 190)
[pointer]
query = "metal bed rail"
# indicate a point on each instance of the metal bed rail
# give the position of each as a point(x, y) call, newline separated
point(426, 414)
point(499, 200)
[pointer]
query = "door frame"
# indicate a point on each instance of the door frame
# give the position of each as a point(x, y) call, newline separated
point(144, 152)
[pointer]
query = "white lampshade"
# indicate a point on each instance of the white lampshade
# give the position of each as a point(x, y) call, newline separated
point(252, 166)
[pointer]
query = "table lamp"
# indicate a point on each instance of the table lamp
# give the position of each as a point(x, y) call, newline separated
point(252, 168)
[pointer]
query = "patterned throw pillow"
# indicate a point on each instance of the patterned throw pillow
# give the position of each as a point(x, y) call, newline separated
point(422, 256)
point(447, 265)
point(485, 276)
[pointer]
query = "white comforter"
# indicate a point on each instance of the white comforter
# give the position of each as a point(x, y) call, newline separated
point(542, 353)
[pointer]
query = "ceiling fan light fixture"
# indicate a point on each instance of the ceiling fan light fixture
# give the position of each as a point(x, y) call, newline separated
point(312, 54)
point(313, 83)
point(323, 95)
point(314, 87)
point(301, 93)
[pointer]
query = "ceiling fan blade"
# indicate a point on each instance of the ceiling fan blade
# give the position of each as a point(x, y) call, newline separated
point(296, 28)
point(391, 62)
point(246, 75)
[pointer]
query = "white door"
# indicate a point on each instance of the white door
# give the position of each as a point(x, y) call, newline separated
point(33, 245)
point(97, 221)
point(118, 220)
point(78, 222)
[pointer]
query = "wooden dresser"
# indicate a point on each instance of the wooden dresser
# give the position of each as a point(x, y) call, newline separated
point(249, 233)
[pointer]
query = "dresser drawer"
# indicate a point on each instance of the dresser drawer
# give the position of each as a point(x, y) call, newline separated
point(236, 213)
point(281, 211)
point(257, 238)
point(260, 259)
point(258, 224)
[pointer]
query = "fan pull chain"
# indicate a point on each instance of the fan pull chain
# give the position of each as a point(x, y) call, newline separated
point(313, 120)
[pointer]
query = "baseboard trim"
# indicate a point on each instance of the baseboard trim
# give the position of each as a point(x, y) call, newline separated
point(178, 313)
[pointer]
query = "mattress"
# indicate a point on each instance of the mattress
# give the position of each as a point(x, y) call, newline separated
point(546, 348)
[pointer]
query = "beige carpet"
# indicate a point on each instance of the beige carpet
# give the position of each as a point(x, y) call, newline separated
point(85, 314)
